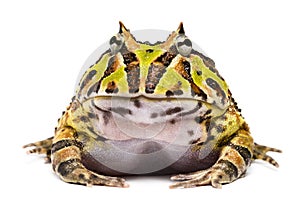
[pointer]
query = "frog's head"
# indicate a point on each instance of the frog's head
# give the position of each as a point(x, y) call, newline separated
point(173, 68)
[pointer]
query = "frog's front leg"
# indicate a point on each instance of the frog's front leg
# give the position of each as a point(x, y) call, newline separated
point(235, 157)
point(66, 161)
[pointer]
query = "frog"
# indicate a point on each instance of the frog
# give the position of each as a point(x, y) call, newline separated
point(157, 108)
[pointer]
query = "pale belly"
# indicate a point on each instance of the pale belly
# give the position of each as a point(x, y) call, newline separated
point(145, 136)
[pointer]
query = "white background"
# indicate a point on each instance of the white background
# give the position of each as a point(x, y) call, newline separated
point(43, 45)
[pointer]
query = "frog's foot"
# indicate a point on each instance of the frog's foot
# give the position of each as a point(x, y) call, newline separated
point(72, 171)
point(41, 147)
point(66, 162)
point(260, 152)
point(222, 172)
point(234, 159)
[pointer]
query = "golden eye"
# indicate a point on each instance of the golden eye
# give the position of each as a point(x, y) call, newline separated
point(116, 43)
point(183, 45)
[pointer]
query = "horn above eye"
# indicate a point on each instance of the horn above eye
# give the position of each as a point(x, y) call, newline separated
point(183, 45)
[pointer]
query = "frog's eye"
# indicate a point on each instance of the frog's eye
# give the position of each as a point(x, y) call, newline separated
point(116, 43)
point(183, 45)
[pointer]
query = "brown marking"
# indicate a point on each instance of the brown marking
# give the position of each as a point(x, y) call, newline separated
point(190, 132)
point(153, 115)
point(137, 103)
point(169, 93)
point(112, 88)
point(183, 68)
point(106, 117)
point(84, 119)
point(121, 111)
point(155, 72)
point(86, 80)
point(133, 76)
point(129, 57)
point(215, 86)
point(165, 58)
point(173, 121)
point(171, 111)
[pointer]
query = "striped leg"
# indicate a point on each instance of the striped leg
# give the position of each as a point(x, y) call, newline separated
point(234, 159)
point(66, 162)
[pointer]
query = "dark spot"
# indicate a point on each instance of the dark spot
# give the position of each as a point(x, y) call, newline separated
point(93, 177)
point(219, 128)
point(199, 72)
point(153, 115)
point(92, 115)
point(210, 138)
point(169, 93)
point(198, 106)
point(199, 120)
point(178, 92)
point(149, 50)
point(106, 117)
point(84, 119)
point(208, 112)
point(137, 103)
point(212, 83)
point(190, 132)
point(121, 111)
point(81, 176)
point(173, 121)
point(67, 167)
point(174, 110)
point(229, 168)
point(92, 130)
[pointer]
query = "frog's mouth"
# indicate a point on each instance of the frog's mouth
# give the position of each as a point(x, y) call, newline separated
point(138, 156)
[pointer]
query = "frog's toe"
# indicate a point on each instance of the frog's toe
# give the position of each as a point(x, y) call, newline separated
point(96, 179)
point(41, 147)
point(76, 173)
point(200, 178)
point(184, 177)
point(260, 152)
